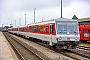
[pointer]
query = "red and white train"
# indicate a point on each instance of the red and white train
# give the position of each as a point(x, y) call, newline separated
point(60, 32)
point(84, 32)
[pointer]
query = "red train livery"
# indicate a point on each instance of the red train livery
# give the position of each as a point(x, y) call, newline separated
point(84, 32)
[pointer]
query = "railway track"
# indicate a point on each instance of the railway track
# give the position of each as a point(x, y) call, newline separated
point(74, 54)
point(68, 53)
point(85, 54)
point(21, 50)
point(84, 48)
point(78, 54)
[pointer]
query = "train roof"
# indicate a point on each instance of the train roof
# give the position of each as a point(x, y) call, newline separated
point(53, 21)
point(48, 21)
point(23, 26)
point(9, 28)
point(83, 19)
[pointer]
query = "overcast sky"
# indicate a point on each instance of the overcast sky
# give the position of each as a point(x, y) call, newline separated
point(11, 10)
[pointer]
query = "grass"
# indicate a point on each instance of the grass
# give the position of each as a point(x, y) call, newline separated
point(84, 44)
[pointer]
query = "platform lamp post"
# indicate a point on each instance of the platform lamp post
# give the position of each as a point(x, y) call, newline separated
point(25, 19)
point(34, 14)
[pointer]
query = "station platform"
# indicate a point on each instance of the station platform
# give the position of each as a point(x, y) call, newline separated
point(5, 52)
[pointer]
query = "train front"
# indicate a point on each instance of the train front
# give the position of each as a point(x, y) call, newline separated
point(67, 34)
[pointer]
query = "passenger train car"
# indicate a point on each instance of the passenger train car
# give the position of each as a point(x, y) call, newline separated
point(84, 32)
point(60, 32)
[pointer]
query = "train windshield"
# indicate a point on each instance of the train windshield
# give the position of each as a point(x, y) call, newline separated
point(67, 28)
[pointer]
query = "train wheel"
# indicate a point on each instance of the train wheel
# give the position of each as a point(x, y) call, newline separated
point(54, 46)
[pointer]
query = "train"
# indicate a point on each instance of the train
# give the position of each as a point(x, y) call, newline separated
point(84, 30)
point(59, 32)
point(4, 30)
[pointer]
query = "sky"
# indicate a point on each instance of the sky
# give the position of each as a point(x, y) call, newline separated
point(15, 10)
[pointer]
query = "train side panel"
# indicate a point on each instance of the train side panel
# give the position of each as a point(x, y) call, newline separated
point(84, 32)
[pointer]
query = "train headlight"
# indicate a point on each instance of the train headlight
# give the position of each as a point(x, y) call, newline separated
point(60, 38)
point(76, 38)
point(67, 32)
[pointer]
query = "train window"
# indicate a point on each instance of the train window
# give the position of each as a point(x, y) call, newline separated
point(37, 29)
point(24, 29)
point(41, 28)
point(46, 29)
point(30, 28)
point(51, 29)
point(33, 30)
point(87, 31)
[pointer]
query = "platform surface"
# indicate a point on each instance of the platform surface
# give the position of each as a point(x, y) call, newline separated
point(5, 52)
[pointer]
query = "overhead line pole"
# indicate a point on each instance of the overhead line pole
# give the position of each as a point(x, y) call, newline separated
point(34, 14)
point(25, 19)
point(15, 23)
point(42, 19)
point(61, 8)
point(20, 21)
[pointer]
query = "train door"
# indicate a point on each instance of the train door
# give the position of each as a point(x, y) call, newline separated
point(87, 33)
point(81, 34)
point(51, 30)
